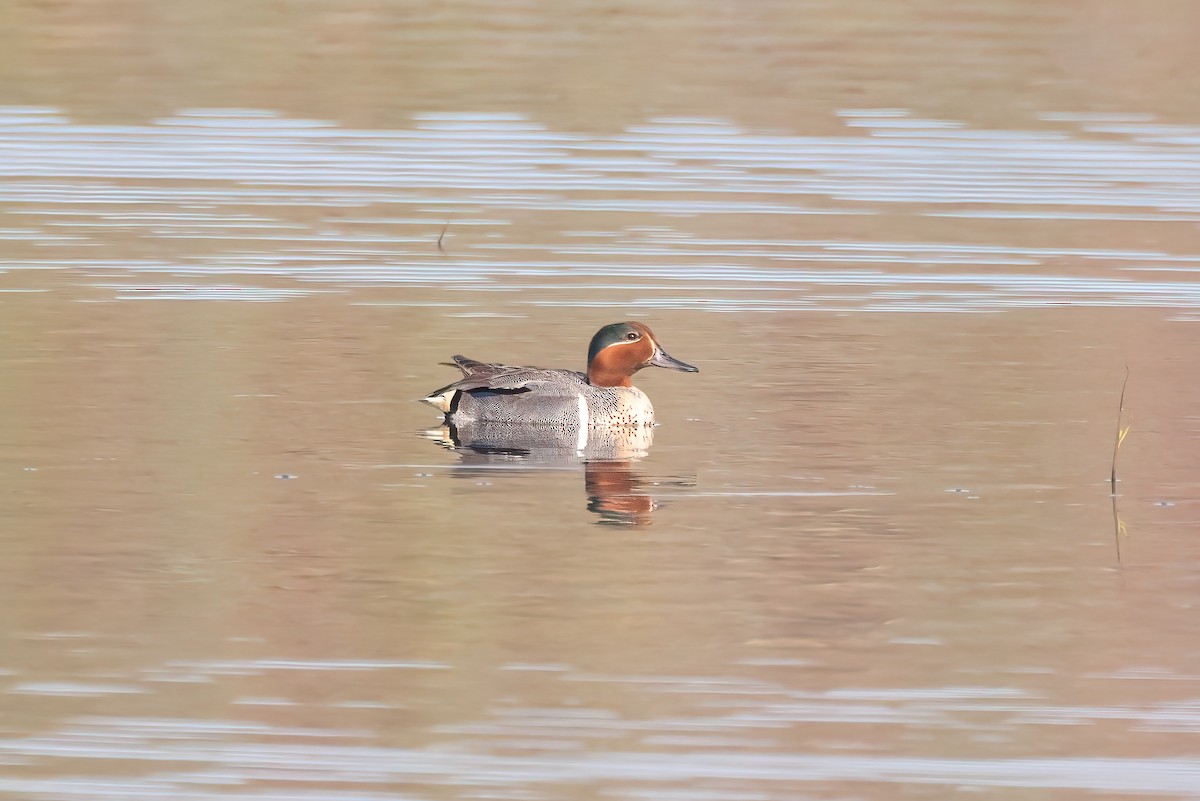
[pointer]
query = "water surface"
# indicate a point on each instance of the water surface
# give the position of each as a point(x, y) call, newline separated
point(871, 551)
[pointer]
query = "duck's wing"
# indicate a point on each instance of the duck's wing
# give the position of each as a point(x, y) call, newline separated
point(471, 367)
point(510, 378)
point(503, 378)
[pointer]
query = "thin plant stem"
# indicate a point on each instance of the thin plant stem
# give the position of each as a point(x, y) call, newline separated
point(1121, 432)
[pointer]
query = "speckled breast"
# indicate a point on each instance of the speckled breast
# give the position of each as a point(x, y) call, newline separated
point(618, 407)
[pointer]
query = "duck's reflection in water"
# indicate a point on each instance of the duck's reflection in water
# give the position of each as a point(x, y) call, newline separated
point(616, 491)
point(613, 490)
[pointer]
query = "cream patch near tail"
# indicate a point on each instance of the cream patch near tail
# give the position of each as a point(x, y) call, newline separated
point(441, 401)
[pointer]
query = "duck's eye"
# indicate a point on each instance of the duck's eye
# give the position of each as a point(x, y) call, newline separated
point(632, 335)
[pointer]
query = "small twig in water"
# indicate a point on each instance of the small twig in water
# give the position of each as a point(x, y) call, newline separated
point(1119, 529)
point(442, 236)
point(1121, 432)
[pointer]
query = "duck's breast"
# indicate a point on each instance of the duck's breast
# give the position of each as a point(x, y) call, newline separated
point(618, 407)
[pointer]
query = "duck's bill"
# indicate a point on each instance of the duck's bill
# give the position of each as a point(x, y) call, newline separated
point(663, 359)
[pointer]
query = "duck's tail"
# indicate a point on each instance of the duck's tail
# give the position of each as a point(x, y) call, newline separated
point(441, 399)
point(444, 399)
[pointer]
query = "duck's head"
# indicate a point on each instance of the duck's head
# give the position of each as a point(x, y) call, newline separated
point(621, 349)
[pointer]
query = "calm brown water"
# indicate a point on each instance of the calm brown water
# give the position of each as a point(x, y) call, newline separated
point(871, 551)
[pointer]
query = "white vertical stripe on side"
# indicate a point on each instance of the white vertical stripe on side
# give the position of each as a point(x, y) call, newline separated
point(582, 440)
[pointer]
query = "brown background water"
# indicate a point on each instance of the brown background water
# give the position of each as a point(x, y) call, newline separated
point(871, 552)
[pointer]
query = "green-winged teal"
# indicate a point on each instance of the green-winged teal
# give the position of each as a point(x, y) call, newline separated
point(564, 400)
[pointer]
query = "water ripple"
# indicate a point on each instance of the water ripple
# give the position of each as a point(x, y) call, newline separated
point(228, 195)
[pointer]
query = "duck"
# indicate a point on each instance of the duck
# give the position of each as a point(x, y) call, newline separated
point(560, 400)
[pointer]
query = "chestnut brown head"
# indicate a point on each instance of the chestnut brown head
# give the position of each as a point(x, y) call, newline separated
point(619, 350)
